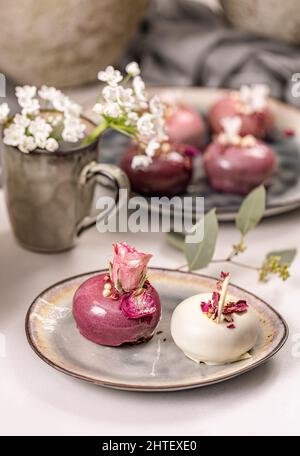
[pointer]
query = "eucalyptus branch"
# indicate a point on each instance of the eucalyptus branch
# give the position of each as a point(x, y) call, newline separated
point(199, 255)
point(226, 260)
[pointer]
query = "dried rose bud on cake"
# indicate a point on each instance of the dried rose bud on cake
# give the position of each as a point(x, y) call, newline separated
point(167, 173)
point(119, 306)
point(215, 328)
point(251, 105)
point(236, 164)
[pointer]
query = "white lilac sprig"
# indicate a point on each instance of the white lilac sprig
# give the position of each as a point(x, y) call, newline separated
point(130, 111)
point(36, 127)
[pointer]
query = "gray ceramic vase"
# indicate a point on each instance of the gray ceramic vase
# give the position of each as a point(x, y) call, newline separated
point(49, 194)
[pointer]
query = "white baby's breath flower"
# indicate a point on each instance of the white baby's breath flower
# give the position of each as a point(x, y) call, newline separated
point(40, 140)
point(72, 109)
point(140, 161)
point(25, 92)
point(69, 135)
point(152, 147)
point(110, 94)
point(125, 97)
point(133, 117)
point(139, 89)
point(145, 125)
point(49, 93)
point(132, 108)
point(61, 103)
point(51, 145)
point(39, 126)
point(55, 120)
point(73, 130)
point(160, 128)
point(27, 144)
point(110, 76)
point(26, 100)
point(133, 69)
point(13, 135)
point(21, 120)
point(29, 106)
point(98, 109)
point(4, 112)
point(156, 106)
point(112, 110)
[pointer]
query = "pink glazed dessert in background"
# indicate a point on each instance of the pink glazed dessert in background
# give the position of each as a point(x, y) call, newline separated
point(251, 105)
point(236, 164)
point(184, 125)
point(121, 306)
point(168, 173)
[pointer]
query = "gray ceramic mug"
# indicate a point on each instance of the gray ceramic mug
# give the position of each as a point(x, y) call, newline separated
point(49, 194)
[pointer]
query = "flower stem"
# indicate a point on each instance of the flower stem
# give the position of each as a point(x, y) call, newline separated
point(244, 265)
point(95, 134)
point(226, 260)
point(121, 130)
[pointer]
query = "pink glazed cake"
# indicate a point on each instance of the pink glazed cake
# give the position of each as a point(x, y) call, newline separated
point(236, 164)
point(251, 105)
point(120, 306)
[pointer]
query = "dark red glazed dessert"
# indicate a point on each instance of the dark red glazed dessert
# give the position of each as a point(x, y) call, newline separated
point(120, 306)
point(167, 173)
point(184, 125)
point(236, 164)
point(251, 105)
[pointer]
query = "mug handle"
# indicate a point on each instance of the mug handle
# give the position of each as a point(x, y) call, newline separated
point(114, 174)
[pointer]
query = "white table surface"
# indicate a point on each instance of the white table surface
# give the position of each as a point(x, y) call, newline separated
point(38, 400)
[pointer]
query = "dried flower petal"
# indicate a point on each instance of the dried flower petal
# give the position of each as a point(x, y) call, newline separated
point(142, 305)
point(205, 306)
point(215, 298)
point(223, 275)
point(235, 307)
point(210, 308)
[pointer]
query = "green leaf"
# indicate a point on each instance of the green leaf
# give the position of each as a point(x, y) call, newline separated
point(251, 210)
point(199, 255)
point(176, 240)
point(286, 256)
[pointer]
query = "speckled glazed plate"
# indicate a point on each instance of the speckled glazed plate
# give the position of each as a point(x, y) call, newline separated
point(284, 193)
point(154, 366)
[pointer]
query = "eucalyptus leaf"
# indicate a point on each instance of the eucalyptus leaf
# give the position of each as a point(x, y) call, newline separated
point(176, 240)
point(199, 255)
point(286, 256)
point(251, 210)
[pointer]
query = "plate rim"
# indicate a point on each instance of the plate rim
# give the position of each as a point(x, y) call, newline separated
point(151, 388)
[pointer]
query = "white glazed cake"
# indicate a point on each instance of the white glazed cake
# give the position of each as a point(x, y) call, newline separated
point(205, 336)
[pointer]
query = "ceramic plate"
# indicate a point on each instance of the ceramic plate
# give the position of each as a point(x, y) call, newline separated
point(154, 366)
point(284, 193)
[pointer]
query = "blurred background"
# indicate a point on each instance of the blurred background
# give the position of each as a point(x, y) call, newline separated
point(214, 43)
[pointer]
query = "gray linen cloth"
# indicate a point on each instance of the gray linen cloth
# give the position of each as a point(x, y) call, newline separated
point(183, 42)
